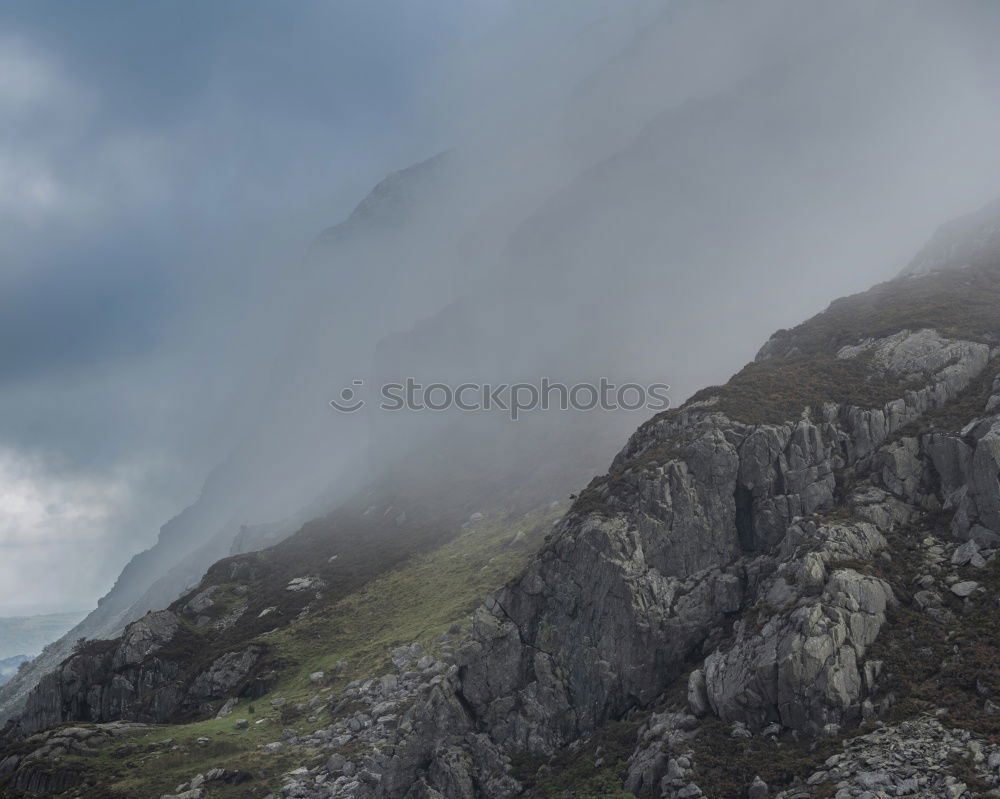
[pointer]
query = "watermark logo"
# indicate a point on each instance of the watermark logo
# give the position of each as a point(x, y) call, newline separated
point(514, 399)
point(349, 400)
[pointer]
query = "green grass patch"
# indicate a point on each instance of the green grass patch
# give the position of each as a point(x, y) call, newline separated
point(144, 767)
point(417, 600)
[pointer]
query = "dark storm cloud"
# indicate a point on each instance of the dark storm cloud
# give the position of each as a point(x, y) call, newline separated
point(163, 167)
point(155, 59)
point(86, 308)
point(174, 130)
point(159, 163)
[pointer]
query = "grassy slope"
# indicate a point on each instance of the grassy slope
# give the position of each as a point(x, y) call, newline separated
point(416, 601)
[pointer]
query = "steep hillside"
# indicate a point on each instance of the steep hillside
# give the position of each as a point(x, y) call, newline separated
point(239, 490)
point(376, 608)
point(623, 225)
point(788, 586)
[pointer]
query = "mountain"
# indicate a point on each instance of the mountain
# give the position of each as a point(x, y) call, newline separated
point(601, 241)
point(245, 491)
point(645, 239)
point(786, 585)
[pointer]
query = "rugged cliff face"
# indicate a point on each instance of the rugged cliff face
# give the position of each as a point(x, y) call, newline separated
point(743, 542)
point(132, 678)
point(558, 268)
point(740, 551)
point(801, 561)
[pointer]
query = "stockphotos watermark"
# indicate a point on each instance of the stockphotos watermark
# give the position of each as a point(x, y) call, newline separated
point(515, 399)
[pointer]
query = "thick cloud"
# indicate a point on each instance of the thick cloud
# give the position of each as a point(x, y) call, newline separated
point(716, 168)
point(159, 162)
point(161, 166)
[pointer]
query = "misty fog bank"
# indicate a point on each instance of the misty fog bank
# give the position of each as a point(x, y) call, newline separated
point(636, 191)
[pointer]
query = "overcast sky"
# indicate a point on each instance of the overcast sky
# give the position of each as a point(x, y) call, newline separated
point(159, 163)
point(156, 159)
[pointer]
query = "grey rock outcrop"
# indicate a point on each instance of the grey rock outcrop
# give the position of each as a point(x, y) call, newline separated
point(908, 759)
point(144, 637)
point(666, 560)
point(803, 667)
point(705, 520)
point(953, 472)
point(38, 768)
point(227, 672)
point(131, 679)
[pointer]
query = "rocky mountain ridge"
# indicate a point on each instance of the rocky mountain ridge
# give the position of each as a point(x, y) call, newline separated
point(677, 545)
point(703, 519)
point(774, 582)
point(615, 194)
